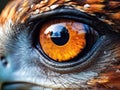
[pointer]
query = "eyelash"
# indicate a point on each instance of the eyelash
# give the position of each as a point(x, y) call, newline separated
point(101, 27)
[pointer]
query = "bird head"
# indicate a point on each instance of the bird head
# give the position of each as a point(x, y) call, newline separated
point(60, 44)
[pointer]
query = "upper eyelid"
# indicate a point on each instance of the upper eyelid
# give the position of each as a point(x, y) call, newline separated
point(93, 21)
point(62, 11)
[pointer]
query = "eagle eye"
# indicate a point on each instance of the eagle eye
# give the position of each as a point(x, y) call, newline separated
point(67, 39)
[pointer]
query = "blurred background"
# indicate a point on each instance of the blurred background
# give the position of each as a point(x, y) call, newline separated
point(2, 4)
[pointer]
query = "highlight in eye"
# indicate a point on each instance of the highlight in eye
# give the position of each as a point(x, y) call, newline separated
point(62, 40)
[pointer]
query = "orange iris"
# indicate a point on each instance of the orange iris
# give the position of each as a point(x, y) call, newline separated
point(62, 40)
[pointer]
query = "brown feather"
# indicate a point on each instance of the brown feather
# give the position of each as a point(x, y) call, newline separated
point(20, 10)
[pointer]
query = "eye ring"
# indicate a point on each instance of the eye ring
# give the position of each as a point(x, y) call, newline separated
point(80, 17)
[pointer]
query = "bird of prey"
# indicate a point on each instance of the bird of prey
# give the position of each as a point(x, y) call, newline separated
point(60, 45)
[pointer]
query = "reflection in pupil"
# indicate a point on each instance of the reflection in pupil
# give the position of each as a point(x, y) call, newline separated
point(59, 35)
point(63, 40)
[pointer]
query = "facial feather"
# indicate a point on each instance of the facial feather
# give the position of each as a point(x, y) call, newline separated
point(103, 73)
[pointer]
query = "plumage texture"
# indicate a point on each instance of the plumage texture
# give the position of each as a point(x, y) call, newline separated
point(105, 72)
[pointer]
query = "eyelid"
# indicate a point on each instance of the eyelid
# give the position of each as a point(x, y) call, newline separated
point(62, 12)
point(77, 15)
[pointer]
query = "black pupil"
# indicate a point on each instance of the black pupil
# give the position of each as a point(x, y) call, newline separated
point(59, 35)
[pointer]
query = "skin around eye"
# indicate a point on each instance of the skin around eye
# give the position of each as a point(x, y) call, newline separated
point(62, 40)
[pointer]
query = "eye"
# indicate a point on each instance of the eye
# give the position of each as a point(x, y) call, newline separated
point(66, 40)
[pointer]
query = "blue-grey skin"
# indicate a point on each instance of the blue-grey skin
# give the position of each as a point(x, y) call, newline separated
point(21, 66)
